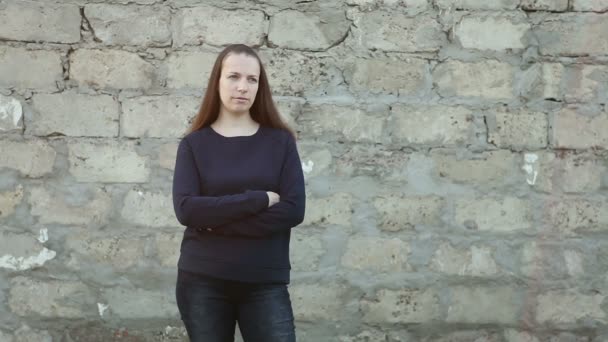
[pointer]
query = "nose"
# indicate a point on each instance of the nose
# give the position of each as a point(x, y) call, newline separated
point(242, 86)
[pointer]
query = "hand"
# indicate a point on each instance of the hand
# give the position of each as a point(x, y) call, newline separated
point(273, 198)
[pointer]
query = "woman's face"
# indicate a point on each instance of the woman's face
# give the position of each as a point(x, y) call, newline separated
point(238, 84)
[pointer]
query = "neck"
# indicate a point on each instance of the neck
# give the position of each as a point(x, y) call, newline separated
point(230, 120)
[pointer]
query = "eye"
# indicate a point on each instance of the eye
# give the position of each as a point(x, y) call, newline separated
point(253, 80)
point(232, 76)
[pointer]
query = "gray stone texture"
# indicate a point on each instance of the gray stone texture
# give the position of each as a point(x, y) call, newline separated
point(454, 154)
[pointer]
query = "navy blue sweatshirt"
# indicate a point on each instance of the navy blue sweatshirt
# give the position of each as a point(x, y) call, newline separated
point(219, 194)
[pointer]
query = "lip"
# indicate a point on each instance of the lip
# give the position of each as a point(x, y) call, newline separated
point(241, 99)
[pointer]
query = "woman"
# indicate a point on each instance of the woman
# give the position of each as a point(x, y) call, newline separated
point(238, 187)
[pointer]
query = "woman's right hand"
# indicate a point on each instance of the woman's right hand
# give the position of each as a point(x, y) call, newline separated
point(273, 198)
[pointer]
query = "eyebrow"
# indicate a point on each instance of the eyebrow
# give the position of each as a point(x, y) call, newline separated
point(238, 73)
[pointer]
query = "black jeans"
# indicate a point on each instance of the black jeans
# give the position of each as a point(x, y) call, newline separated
point(211, 307)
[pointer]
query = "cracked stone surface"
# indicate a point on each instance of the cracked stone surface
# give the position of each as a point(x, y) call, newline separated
point(454, 154)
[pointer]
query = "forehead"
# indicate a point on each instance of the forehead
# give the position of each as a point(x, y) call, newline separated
point(242, 64)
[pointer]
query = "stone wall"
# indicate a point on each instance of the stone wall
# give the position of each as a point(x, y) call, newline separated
point(455, 154)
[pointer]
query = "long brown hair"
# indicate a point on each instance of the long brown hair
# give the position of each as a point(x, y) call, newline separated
point(263, 109)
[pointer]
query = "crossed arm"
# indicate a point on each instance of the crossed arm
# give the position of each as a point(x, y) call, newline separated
point(245, 214)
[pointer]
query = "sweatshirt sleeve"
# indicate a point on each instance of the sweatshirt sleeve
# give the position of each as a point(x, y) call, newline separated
point(194, 210)
point(284, 215)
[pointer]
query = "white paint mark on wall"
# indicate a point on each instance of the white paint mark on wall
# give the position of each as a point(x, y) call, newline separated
point(531, 157)
point(10, 107)
point(307, 167)
point(102, 308)
point(25, 263)
point(44, 235)
point(530, 167)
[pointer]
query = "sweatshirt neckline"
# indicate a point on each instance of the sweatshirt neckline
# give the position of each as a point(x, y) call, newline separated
point(236, 137)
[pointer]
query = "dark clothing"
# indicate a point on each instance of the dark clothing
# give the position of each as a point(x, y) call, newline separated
point(210, 308)
point(220, 184)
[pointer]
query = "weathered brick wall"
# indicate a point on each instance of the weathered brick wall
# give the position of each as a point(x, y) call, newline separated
point(455, 154)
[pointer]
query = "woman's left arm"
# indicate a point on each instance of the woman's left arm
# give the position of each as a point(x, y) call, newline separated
point(287, 213)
